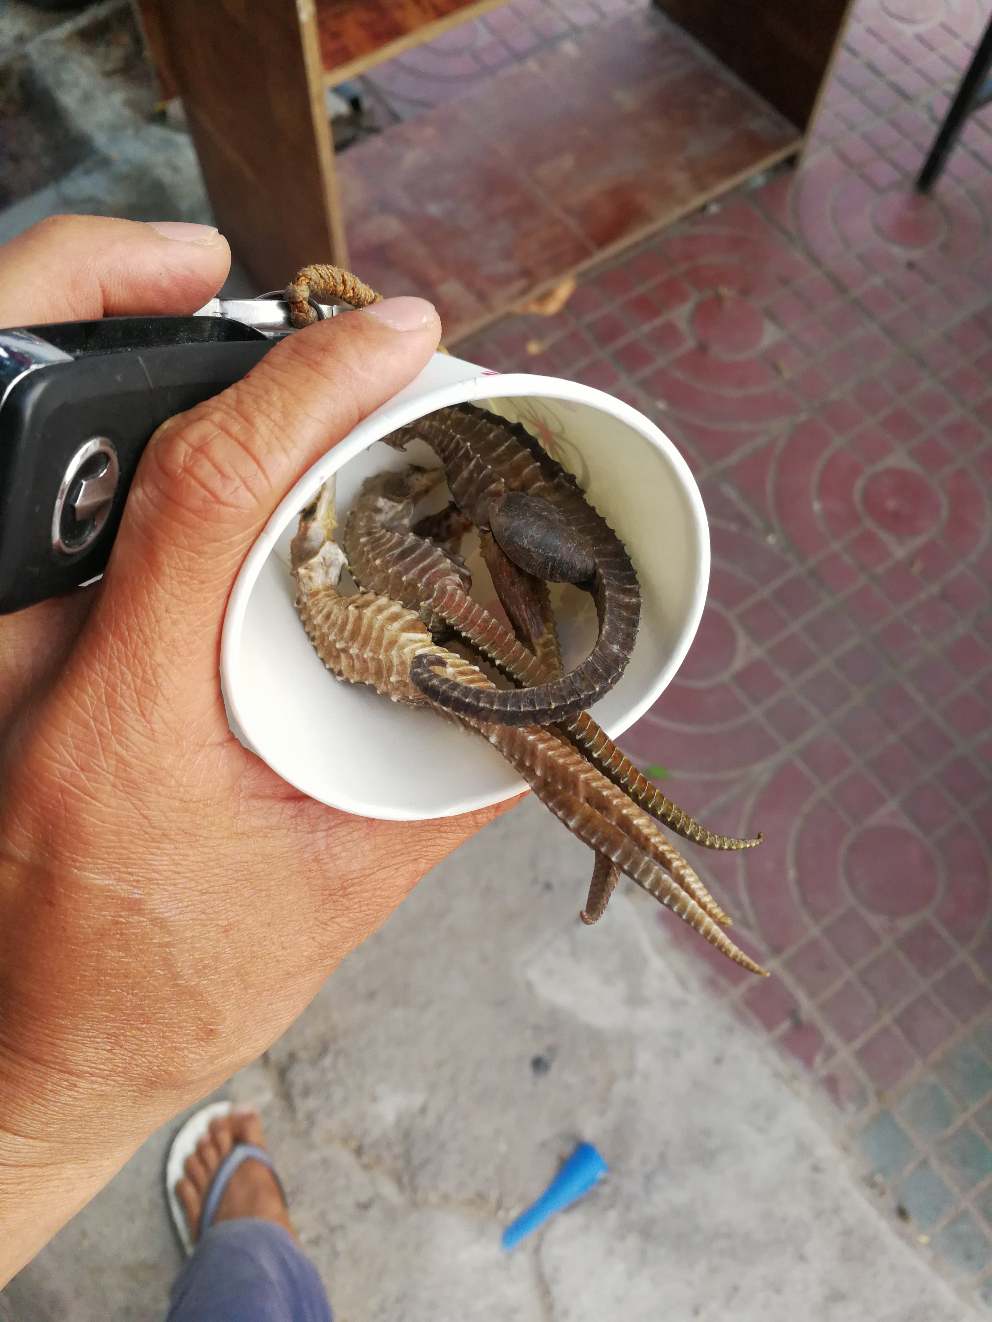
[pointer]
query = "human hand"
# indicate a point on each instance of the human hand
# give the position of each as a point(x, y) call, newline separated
point(168, 905)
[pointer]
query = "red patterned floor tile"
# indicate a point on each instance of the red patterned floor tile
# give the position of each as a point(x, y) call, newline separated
point(927, 949)
point(826, 758)
point(860, 664)
point(817, 853)
point(758, 681)
point(858, 795)
point(852, 937)
point(826, 692)
point(829, 630)
point(791, 718)
point(964, 779)
point(925, 1025)
point(871, 444)
point(837, 571)
point(891, 871)
point(963, 994)
point(634, 357)
point(929, 807)
point(968, 715)
point(934, 678)
point(965, 905)
point(607, 328)
point(928, 741)
point(869, 606)
point(970, 655)
point(890, 980)
point(886, 1058)
point(897, 705)
point(902, 640)
point(850, 1011)
point(931, 454)
point(793, 654)
point(815, 968)
point(714, 705)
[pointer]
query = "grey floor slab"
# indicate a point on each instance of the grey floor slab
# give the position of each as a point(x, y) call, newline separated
point(430, 1090)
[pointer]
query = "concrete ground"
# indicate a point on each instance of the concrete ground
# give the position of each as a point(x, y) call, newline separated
point(428, 1093)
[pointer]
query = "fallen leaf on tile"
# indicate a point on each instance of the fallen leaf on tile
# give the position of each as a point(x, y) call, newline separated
point(551, 303)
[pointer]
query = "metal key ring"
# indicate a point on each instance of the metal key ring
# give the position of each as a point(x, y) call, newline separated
point(281, 295)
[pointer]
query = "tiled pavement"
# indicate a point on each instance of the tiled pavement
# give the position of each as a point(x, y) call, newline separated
point(820, 348)
point(454, 63)
point(506, 181)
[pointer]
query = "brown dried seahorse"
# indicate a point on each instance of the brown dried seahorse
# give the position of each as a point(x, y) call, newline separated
point(499, 476)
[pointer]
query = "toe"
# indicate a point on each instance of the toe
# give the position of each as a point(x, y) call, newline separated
point(197, 1172)
point(191, 1201)
point(206, 1150)
point(220, 1133)
point(246, 1127)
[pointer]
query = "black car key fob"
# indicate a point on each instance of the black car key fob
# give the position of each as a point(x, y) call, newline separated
point(79, 402)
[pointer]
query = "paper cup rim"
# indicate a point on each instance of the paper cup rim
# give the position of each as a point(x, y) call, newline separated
point(388, 418)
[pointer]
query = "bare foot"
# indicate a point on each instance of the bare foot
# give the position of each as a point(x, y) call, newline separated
point(252, 1190)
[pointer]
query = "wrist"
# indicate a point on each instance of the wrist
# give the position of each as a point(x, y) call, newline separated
point(65, 1065)
point(42, 1186)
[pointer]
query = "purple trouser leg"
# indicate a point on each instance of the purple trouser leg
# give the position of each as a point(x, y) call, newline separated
point(248, 1270)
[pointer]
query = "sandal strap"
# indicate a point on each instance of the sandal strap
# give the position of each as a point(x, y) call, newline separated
point(218, 1185)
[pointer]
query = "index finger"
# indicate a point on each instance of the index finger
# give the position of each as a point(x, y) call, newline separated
point(77, 268)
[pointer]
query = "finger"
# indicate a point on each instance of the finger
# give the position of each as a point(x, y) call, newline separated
point(74, 268)
point(210, 479)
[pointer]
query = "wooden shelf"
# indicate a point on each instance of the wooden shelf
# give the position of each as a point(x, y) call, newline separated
point(356, 35)
point(490, 199)
point(539, 171)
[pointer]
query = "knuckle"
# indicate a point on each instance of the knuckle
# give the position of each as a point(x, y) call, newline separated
point(206, 465)
point(55, 230)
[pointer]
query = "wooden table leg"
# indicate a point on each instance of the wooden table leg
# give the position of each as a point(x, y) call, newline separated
point(251, 81)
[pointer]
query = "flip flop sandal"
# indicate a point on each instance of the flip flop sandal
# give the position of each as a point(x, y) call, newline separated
point(183, 1146)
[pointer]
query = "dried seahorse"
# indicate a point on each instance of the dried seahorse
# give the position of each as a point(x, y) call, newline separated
point(371, 639)
point(319, 284)
point(527, 603)
point(386, 556)
point(499, 476)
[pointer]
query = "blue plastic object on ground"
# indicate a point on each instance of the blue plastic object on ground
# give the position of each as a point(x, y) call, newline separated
point(584, 1168)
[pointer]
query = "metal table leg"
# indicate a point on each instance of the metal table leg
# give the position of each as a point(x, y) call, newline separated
point(975, 90)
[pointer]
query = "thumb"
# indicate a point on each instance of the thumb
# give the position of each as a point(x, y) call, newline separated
point(211, 478)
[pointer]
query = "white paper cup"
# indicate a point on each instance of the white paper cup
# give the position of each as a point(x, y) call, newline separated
point(350, 747)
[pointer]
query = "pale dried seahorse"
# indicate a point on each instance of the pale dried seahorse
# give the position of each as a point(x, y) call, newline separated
point(371, 639)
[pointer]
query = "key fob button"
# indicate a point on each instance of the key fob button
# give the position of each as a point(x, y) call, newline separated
point(86, 496)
